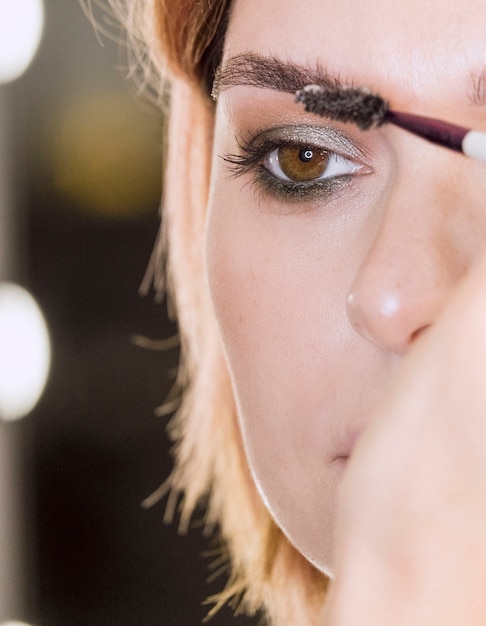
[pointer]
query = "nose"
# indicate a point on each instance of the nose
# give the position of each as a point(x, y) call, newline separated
point(417, 254)
point(390, 313)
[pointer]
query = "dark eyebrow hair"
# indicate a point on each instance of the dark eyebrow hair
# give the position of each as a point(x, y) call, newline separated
point(286, 76)
point(270, 73)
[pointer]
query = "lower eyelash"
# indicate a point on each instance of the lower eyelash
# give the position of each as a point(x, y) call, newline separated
point(286, 190)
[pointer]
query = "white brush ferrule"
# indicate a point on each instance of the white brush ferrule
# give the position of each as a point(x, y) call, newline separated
point(474, 145)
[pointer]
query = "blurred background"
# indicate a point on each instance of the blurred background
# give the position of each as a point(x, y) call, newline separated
point(80, 164)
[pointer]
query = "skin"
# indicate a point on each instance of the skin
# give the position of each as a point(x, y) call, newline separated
point(410, 541)
point(323, 304)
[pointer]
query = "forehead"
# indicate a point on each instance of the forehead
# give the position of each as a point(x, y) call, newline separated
point(407, 50)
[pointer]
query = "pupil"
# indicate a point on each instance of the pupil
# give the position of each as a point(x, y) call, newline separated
point(306, 155)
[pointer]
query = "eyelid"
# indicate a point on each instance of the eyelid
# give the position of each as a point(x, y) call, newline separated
point(325, 137)
point(257, 144)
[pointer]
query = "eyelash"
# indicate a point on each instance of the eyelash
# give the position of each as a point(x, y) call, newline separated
point(260, 146)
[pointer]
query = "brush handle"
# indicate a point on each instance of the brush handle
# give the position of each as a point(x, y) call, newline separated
point(472, 143)
point(436, 131)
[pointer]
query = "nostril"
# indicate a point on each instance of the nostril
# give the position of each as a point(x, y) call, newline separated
point(418, 333)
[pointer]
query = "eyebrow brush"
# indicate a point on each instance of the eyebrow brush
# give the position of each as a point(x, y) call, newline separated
point(367, 110)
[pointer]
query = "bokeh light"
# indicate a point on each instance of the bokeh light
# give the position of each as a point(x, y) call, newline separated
point(101, 155)
point(21, 26)
point(25, 352)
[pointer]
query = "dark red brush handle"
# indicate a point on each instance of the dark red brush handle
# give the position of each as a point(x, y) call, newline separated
point(436, 131)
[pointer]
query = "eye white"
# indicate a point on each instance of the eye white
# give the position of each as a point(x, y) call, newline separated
point(336, 166)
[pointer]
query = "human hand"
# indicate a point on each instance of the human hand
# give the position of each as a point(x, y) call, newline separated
point(411, 527)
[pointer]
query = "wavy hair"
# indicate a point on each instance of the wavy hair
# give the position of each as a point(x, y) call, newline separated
point(179, 43)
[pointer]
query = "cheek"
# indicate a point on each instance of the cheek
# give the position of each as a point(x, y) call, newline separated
point(278, 295)
point(278, 285)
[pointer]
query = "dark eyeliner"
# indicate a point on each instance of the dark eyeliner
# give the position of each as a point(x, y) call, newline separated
point(287, 190)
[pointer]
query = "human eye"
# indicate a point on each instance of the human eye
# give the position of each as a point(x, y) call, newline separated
point(307, 163)
point(298, 163)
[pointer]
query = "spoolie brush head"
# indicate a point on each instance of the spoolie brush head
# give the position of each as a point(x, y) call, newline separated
point(344, 104)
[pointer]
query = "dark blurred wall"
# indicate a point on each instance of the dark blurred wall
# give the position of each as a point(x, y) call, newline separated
point(87, 170)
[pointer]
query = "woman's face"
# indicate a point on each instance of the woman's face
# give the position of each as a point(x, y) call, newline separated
point(330, 249)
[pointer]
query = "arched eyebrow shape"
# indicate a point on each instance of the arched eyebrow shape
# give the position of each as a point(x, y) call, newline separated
point(256, 70)
point(268, 73)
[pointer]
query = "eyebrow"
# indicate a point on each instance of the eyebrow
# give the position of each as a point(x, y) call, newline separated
point(255, 70)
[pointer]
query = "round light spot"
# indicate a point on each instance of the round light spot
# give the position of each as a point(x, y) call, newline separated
point(25, 352)
point(21, 26)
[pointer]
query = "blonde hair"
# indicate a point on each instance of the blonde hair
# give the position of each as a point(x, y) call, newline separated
point(183, 40)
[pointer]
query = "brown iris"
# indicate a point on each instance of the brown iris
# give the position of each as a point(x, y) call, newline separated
point(303, 164)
